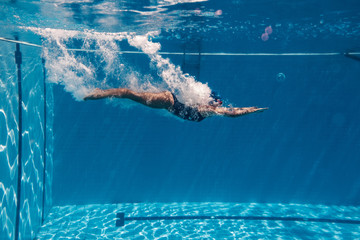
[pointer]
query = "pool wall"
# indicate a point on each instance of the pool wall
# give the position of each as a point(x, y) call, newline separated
point(26, 141)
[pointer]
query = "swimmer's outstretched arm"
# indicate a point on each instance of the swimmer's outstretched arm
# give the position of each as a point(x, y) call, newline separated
point(228, 112)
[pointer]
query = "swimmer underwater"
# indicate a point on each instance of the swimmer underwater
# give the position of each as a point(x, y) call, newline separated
point(167, 100)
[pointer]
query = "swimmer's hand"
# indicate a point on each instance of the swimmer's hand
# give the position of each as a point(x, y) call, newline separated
point(96, 94)
point(256, 109)
point(208, 111)
point(236, 112)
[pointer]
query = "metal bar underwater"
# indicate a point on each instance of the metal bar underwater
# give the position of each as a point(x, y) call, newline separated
point(44, 146)
point(18, 61)
point(120, 221)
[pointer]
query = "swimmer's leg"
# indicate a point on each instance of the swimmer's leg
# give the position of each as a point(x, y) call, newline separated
point(163, 100)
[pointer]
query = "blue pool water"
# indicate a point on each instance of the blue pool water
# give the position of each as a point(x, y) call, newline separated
point(68, 166)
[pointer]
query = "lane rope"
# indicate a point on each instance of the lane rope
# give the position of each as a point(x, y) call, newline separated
point(196, 54)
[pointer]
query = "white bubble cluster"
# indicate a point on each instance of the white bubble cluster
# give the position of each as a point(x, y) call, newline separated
point(78, 73)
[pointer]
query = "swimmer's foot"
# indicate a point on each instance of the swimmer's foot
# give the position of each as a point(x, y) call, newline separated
point(96, 94)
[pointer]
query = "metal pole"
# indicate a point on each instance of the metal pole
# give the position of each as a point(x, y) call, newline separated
point(45, 140)
point(18, 61)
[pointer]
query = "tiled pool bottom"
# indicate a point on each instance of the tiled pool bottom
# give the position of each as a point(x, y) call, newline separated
point(99, 222)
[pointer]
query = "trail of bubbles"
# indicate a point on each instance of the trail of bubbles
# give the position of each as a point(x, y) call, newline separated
point(189, 91)
point(81, 72)
point(76, 72)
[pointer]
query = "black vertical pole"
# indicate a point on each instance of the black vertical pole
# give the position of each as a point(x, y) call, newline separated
point(44, 173)
point(199, 66)
point(18, 61)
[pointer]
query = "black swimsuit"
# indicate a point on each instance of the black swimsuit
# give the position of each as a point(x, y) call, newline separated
point(188, 113)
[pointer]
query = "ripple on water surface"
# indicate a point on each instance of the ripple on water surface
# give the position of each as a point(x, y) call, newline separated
point(4, 130)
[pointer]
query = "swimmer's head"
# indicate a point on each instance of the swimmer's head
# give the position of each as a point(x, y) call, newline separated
point(216, 99)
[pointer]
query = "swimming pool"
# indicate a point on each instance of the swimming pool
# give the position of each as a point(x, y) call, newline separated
point(69, 167)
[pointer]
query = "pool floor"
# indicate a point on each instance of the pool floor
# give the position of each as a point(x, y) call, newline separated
point(272, 221)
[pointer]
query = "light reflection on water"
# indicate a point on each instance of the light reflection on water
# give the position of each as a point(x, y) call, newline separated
point(8, 144)
point(98, 222)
